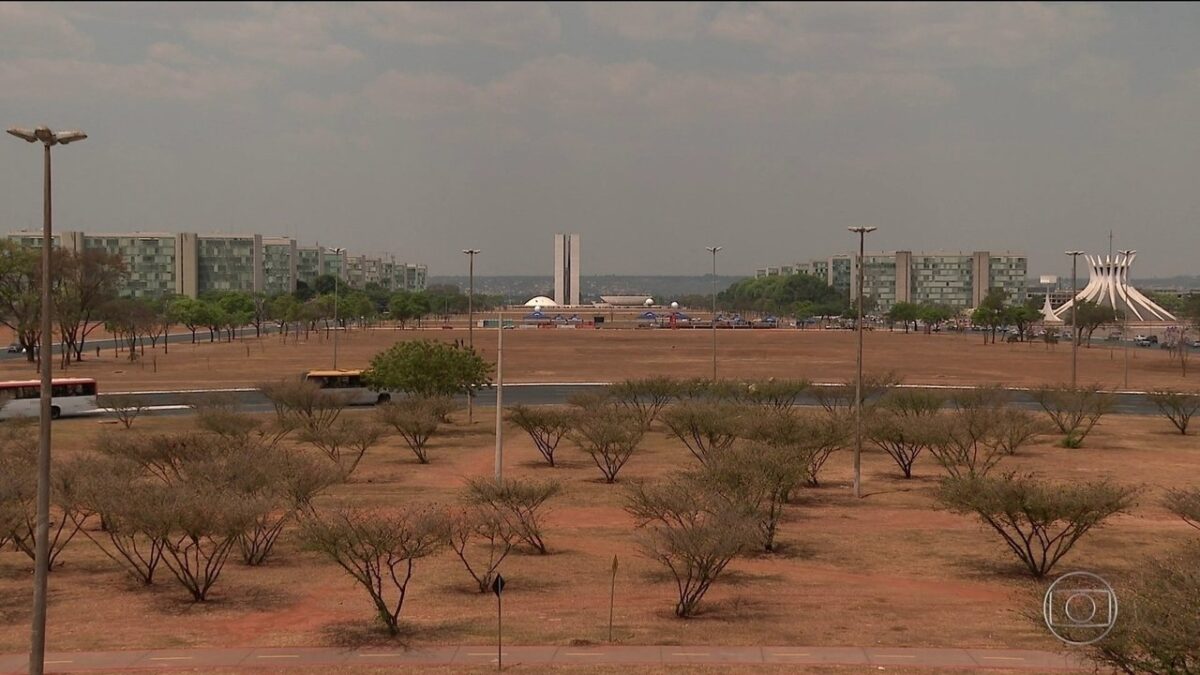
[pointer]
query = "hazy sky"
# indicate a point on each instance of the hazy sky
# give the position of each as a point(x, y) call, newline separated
point(652, 130)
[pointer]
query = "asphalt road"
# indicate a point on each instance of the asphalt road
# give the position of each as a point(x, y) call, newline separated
point(280, 658)
point(1127, 403)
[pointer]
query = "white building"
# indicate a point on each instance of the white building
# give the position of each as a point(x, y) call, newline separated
point(566, 269)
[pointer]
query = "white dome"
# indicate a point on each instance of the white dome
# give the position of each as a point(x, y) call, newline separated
point(649, 302)
point(541, 301)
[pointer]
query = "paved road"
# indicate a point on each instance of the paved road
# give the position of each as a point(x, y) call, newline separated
point(1127, 403)
point(475, 655)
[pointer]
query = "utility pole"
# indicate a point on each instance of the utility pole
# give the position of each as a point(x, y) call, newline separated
point(338, 252)
point(1074, 317)
point(858, 431)
point(1127, 254)
point(713, 250)
point(472, 252)
point(500, 401)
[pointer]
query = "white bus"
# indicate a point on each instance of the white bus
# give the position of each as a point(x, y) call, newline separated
point(68, 396)
point(348, 383)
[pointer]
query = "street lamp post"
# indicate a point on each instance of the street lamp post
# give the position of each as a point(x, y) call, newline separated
point(1125, 315)
point(858, 432)
point(1074, 317)
point(472, 252)
point(713, 250)
point(37, 649)
point(338, 252)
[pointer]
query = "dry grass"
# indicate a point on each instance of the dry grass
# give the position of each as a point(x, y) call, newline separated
point(886, 570)
point(610, 355)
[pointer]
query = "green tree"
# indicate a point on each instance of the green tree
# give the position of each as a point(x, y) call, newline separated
point(20, 294)
point(187, 312)
point(931, 315)
point(1090, 316)
point(324, 284)
point(428, 368)
point(991, 312)
point(1023, 317)
point(905, 312)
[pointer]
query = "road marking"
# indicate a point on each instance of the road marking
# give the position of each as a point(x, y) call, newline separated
point(689, 654)
point(384, 654)
point(1005, 658)
point(277, 656)
point(583, 653)
point(58, 662)
point(791, 654)
point(896, 656)
point(486, 653)
point(170, 658)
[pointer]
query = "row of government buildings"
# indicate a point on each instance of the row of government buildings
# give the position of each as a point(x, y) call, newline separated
point(193, 264)
point(953, 279)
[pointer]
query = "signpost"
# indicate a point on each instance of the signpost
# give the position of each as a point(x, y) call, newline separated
point(498, 588)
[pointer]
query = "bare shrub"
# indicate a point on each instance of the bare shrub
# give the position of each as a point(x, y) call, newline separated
point(757, 479)
point(126, 407)
point(690, 530)
point(416, 419)
point(705, 426)
point(811, 439)
point(279, 491)
point(1177, 406)
point(379, 550)
point(704, 389)
point(128, 505)
point(971, 440)
point(199, 526)
point(904, 425)
point(164, 456)
point(481, 539)
point(839, 398)
point(545, 426)
point(1074, 411)
point(1038, 521)
point(1185, 503)
point(519, 503)
point(1159, 629)
point(779, 395)
point(344, 444)
point(18, 500)
point(303, 403)
point(646, 396)
point(609, 435)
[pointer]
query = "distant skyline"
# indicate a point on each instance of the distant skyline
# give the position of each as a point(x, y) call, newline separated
point(652, 130)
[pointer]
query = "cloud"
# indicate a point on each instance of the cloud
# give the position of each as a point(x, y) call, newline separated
point(913, 34)
point(69, 79)
point(39, 30)
point(649, 21)
point(496, 24)
point(290, 35)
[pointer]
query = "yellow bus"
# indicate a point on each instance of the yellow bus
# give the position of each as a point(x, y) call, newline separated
point(348, 383)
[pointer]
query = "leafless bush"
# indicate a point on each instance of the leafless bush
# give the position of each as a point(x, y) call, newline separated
point(481, 539)
point(378, 549)
point(345, 443)
point(18, 500)
point(646, 396)
point(519, 503)
point(201, 526)
point(1039, 522)
point(811, 439)
point(839, 398)
point(705, 426)
point(416, 419)
point(1177, 406)
point(546, 426)
point(971, 440)
point(1185, 503)
point(609, 435)
point(1074, 411)
point(303, 403)
point(126, 407)
point(904, 425)
point(779, 395)
point(278, 492)
point(756, 479)
point(692, 531)
point(704, 389)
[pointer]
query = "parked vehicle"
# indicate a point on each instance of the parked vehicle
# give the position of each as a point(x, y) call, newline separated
point(16, 348)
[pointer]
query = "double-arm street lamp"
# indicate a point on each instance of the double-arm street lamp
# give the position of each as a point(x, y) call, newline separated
point(713, 250)
point(858, 431)
point(37, 649)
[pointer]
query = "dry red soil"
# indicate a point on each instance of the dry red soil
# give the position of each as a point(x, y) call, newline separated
point(889, 569)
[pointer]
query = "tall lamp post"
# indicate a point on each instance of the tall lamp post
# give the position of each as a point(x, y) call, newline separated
point(713, 250)
point(1074, 317)
point(37, 648)
point(471, 252)
point(858, 433)
point(1125, 314)
point(338, 252)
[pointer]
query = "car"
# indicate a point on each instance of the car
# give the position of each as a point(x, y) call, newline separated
point(1143, 342)
point(16, 348)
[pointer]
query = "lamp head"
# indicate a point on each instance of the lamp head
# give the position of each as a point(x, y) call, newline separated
point(70, 136)
point(23, 134)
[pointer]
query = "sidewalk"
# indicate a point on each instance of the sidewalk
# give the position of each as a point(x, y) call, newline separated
point(282, 657)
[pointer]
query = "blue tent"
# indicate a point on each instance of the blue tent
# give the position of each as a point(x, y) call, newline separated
point(648, 316)
point(535, 316)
